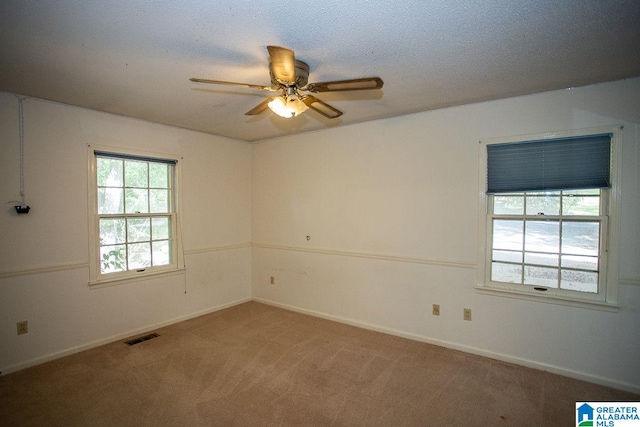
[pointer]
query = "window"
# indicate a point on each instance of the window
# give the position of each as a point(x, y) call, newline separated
point(547, 239)
point(549, 218)
point(134, 226)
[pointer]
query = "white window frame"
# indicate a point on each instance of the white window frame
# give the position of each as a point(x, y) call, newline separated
point(96, 278)
point(607, 296)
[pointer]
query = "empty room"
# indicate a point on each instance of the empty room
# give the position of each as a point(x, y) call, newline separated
point(319, 213)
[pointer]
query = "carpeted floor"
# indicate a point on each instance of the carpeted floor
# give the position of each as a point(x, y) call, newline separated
point(255, 365)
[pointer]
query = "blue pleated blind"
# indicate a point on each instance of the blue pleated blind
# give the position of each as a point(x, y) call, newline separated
point(558, 164)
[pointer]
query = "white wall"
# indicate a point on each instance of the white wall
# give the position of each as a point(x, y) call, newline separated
point(44, 255)
point(391, 208)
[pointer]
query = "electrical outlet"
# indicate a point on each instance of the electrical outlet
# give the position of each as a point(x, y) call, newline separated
point(467, 314)
point(436, 309)
point(272, 280)
point(23, 327)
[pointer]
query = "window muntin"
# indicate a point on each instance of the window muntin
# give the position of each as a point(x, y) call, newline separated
point(135, 226)
point(548, 240)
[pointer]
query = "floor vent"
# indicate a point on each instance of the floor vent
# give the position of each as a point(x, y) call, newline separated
point(141, 339)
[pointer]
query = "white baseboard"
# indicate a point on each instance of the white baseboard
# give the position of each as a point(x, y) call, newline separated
point(632, 388)
point(114, 338)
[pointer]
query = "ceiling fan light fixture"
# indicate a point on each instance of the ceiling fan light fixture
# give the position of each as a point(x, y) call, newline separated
point(288, 106)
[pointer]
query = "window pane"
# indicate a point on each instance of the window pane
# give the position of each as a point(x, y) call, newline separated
point(136, 174)
point(542, 236)
point(508, 205)
point(582, 281)
point(159, 201)
point(113, 258)
point(137, 200)
point(580, 238)
point(138, 229)
point(507, 273)
point(541, 259)
point(109, 172)
point(158, 175)
point(508, 256)
point(507, 234)
point(139, 255)
point(581, 203)
point(581, 262)
point(584, 192)
point(112, 231)
point(110, 201)
point(545, 203)
point(161, 228)
point(161, 253)
point(540, 276)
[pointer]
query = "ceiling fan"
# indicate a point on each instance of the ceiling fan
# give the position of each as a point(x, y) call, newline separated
point(290, 76)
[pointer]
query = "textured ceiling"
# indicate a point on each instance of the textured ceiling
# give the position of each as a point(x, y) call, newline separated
point(135, 58)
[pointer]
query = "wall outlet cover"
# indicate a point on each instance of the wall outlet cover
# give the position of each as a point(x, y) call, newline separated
point(23, 327)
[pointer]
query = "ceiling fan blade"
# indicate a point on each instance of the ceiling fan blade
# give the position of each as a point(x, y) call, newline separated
point(339, 85)
point(325, 109)
point(259, 108)
point(283, 64)
point(220, 82)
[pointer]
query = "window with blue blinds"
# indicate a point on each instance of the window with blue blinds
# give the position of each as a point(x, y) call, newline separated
point(559, 164)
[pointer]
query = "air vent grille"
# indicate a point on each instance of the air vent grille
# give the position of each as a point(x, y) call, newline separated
point(141, 339)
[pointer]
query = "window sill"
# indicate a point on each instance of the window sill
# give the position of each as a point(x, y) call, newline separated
point(120, 280)
point(548, 298)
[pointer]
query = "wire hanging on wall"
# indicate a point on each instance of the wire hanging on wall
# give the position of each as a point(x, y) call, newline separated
point(22, 208)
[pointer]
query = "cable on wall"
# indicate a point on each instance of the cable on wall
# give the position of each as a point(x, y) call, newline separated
point(22, 208)
point(21, 136)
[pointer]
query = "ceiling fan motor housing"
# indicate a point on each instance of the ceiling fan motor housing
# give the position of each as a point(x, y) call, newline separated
point(302, 75)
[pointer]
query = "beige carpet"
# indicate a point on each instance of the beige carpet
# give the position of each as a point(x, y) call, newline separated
point(255, 365)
